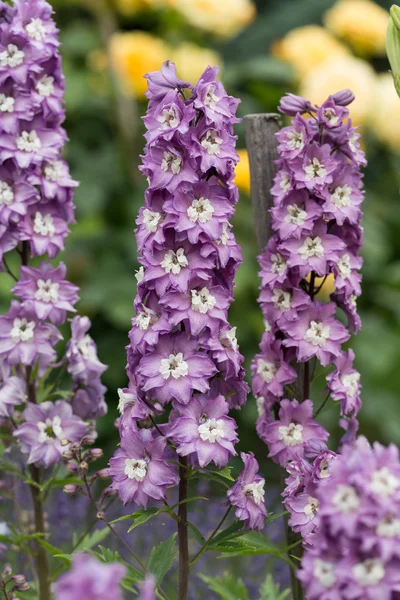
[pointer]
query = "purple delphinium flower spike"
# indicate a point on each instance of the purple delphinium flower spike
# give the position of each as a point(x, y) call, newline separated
point(359, 511)
point(247, 495)
point(315, 220)
point(183, 351)
point(90, 579)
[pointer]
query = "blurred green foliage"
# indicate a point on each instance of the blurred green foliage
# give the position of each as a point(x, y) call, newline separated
point(101, 252)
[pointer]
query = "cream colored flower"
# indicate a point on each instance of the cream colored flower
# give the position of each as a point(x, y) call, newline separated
point(132, 55)
point(384, 117)
point(338, 74)
point(224, 18)
point(362, 23)
point(307, 47)
point(192, 60)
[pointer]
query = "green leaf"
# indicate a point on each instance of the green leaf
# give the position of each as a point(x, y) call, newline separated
point(198, 536)
point(151, 512)
point(234, 530)
point(251, 544)
point(53, 550)
point(162, 558)
point(142, 516)
point(91, 540)
point(227, 587)
point(272, 591)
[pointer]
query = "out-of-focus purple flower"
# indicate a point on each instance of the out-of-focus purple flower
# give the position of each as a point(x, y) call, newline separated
point(147, 589)
point(90, 579)
point(288, 437)
point(88, 402)
point(48, 291)
point(203, 430)
point(45, 429)
point(356, 552)
point(12, 391)
point(81, 353)
point(247, 495)
point(140, 468)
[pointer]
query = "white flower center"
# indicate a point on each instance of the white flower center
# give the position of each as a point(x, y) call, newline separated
point(203, 301)
point(323, 571)
point(343, 266)
point(168, 118)
point(324, 469)
point(36, 30)
point(353, 301)
point(266, 370)
point(314, 170)
point(311, 247)
point(285, 182)
point(45, 86)
point(317, 334)
point(255, 491)
point(350, 382)
point(86, 347)
point(174, 366)
point(200, 210)
point(211, 100)
point(173, 262)
point(291, 435)
point(47, 291)
point(369, 572)
point(29, 141)
point(151, 220)
point(6, 193)
point(44, 225)
point(295, 140)
point(53, 171)
point(341, 196)
point(278, 264)
point(123, 400)
point(229, 340)
point(6, 103)
point(12, 57)
point(281, 299)
point(346, 499)
point(331, 116)
point(353, 141)
point(211, 430)
point(22, 330)
point(311, 508)
point(211, 142)
point(388, 527)
point(139, 275)
point(260, 405)
point(224, 235)
point(267, 326)
point(146, 318)
point(384, 483)
point(50, 429)
point(171, 162)
point(135, 468)
point(295, 215)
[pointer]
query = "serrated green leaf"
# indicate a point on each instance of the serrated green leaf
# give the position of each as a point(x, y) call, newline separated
point(139, 514)
point(251, 544)
point(227, 587)
point(143, 516)
point(53, 550)
point(162, 558)
point(91, 540)
point(270, 590)
point(235, 529)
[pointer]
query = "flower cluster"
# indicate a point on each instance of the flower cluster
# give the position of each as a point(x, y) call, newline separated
point(36, 208)
point(315, 221)
point(356, 553)
point(183, 354)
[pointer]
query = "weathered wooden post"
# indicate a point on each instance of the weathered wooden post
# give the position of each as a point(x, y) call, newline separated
point(262, 148)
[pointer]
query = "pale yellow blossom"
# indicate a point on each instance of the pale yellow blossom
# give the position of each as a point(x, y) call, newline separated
point(224, 18)
point(131, 7)
point(384, 117)
point(191, 60)
point(338, 74)
point(362, 23)
point(305, 48)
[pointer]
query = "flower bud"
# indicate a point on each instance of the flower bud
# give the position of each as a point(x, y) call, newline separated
point(67, 455)
point(88, 440)
point(101, 515)
point(103, 473)
point(24, 587)
point(64, 442)
point(96, 453)
point(83, 467)
point(72, 468)
point(70, 489)
point(18, 579)
point(393, 46)
point(343, 98)
point(6, 571)
point(292, 104)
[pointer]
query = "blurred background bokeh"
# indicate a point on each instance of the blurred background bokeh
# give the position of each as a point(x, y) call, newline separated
point(265, 48)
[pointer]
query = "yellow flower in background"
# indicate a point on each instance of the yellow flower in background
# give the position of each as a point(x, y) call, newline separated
point(307, 47)
point(131, 7)
point(224, 18)
point(338, 74)
point(327, 286)
point(362, 23)
point(384, 118)
point(132, 55)
point(242, 172)
point(191, 60)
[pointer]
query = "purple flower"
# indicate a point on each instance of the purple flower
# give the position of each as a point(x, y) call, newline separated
point(25, 339)
point(293, 105)
point(48, 291)
point(12, 392)
point(161, 83)
point(203, 430)
point(90, 579)
point(175, 369)
point(296, 215)
point(45, 228)
point(147, 589)
point(344, 384)
point(170, 117)
point(15, 195)
point(88, 402)
point(81, 353)
point(288, 436)
point(292, 139)
point(270, 371)
point(140, 468)
point(247, 495)
point(316, 332)
point(316, 168)
point(210, 97)
point(46, 428)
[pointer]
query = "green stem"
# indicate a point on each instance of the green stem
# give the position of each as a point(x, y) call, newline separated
point(212, 536)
